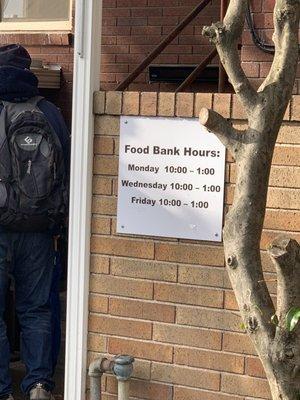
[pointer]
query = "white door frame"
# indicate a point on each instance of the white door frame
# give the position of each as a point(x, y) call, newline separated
point(86, 81)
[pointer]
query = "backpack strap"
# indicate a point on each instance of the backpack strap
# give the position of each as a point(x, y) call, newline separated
point(14, 109)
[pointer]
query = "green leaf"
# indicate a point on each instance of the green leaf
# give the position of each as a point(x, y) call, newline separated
point(292, 318)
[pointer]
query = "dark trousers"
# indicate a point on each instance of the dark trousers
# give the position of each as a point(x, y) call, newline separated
point(29, 258)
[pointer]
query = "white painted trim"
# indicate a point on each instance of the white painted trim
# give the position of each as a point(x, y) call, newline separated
point(86, 81)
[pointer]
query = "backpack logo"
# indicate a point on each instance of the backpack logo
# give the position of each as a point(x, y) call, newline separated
point(28, 140)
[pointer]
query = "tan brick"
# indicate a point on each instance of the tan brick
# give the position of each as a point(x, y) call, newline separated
point(142, 310)
point(139, 349)
point(104, 205)
point(182, 393)
point(209, 360)
point(113, 103)
point(253, 367)
point(107, 125)
point(149, 104)
point(102, 185)
point(185, 104)
point(192, 254)
point(122, 247)
point(245, 386)
point(202, 100)
point(142, 389)
point(237, 343)
point(289, 133)
point(295, 113)
point(99, 264)
point(283, 219)
point(216, 319)
point(187, 336)
point(238, 111)
point(99, 102)
point(230, 301)
point(100, 225)
point(98, 304)
point(281, 176)
point(112, 285)
point(103, 145)
point(106, 165)
point(286, 155)
point(131, 103)
point(185, 376)
point(96, 343)
point(200, 275)
point(221, 104)
point(268, 237)
point(166, 104)
point(183, 294)
point(144, 269)
point(120, 327)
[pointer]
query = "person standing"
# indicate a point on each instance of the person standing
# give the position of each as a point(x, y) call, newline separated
point(34, 158)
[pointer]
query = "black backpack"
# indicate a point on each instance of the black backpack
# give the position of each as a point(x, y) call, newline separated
point(33, 194)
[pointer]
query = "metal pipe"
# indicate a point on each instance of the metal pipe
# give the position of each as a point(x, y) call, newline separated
point(162, 45)
point(122, 368)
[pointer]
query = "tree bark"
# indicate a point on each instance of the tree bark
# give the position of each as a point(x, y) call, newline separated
point(278, 349)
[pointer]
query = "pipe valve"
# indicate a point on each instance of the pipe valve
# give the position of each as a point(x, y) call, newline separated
point(123, 367)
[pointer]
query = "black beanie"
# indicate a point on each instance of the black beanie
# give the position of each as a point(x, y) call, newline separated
point(14, 55)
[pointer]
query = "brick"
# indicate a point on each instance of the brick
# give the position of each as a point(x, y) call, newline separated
point(142, 310)
point(120, 327)
point(106, 284)
point(182, 393)
point(238, 111)
point(113, 103)
point(185, 104)
point(166, 104)
point(143, 389)
point(152, 270)
point(96, 343)
point(98, 304)
point(287, 220)
point(102, 185)
point(200, 275)
point(193, 254)
point(107, 125)
point(103, 145)
point(202, 100)
point(106, 165)
point(99, 103)
point(245, 386)
point(101, 225)
point(122, 247)
point(295, 109)
point(286, 155)
point(99, 264)
point(139, 349)
point(187, 336)
point(289, 133)
point(149, 104)
point(230, 301)
point(253, 367)
point(104, 205)
point(183, 294)
point(237, 343)
point(209, 360)
point(131, 103)
point(221, 104)
point(208, 318)
point(185, 376)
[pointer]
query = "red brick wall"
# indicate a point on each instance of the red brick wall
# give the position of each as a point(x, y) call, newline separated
point(255, 62)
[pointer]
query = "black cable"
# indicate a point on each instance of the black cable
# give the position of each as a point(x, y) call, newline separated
point(267, 48)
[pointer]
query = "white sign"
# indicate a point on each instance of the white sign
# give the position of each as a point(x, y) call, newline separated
point(171, 179)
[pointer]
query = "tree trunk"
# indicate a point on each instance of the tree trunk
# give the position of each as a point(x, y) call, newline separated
point(277, 347)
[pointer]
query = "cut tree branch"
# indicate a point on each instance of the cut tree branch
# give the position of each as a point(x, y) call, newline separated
point(226, 36)
point(230, 137)
point(285, 254)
